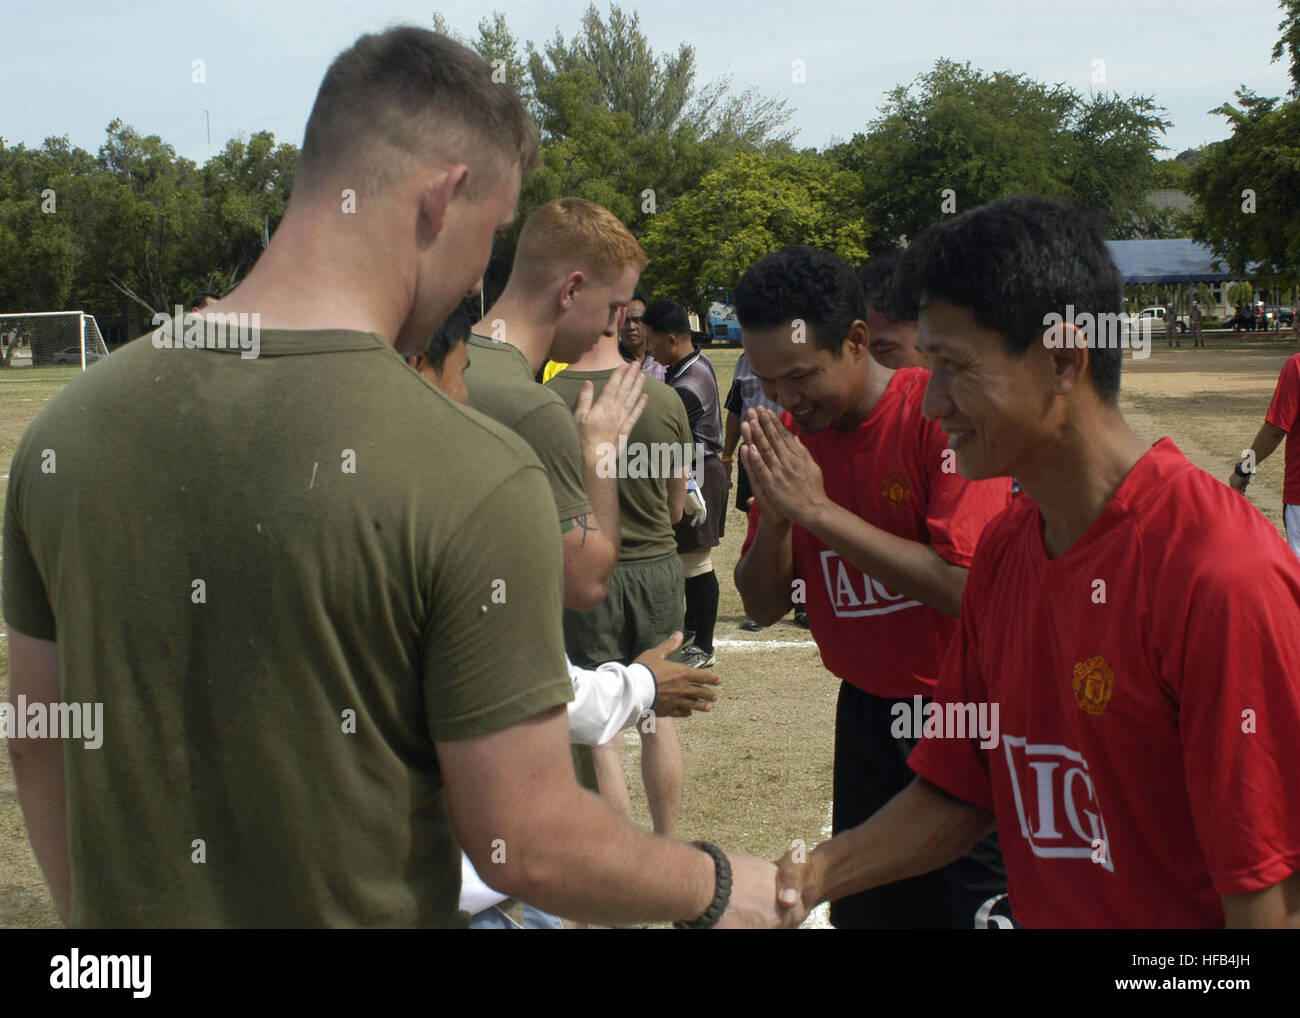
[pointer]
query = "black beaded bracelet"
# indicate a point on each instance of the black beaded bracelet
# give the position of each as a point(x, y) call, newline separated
point(721, 894)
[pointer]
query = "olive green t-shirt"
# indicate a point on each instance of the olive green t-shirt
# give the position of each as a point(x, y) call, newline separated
point(659, 442)
point(502, 386)
point(285, 578)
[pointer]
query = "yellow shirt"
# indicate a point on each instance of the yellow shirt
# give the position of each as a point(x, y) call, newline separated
point(551, 369)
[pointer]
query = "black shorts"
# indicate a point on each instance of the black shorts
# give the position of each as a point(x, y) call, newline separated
point(870, 769)
point(743, 491)
point(714, 486)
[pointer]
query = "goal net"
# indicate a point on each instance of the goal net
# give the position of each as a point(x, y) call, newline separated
point(49, 338)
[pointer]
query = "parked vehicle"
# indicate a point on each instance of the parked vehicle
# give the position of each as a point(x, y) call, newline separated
point(1158, 313)
point(1283, 316)
point(72, 355)
point(1240, 320)
point(723, 327)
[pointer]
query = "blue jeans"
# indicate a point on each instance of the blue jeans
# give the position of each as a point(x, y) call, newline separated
point(495, 919)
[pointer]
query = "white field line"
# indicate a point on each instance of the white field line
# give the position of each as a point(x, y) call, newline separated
point(762, 644)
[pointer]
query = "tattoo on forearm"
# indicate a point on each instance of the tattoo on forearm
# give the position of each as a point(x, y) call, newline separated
point(581, 522)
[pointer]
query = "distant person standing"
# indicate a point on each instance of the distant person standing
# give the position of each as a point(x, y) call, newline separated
point(1280, 422)
point(1198, 338)
point(631, 340)
point(668, 334)
point(1171, 325)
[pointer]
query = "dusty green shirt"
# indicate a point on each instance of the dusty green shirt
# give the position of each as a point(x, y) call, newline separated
point(284, 578)
point(502, 386)
point(661, 435)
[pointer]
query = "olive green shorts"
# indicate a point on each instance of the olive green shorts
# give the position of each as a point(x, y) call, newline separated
point(645, 606)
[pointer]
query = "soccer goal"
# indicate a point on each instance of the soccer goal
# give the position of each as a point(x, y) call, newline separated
point(46, 338)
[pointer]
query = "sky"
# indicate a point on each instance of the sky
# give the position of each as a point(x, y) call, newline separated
point(69, 68)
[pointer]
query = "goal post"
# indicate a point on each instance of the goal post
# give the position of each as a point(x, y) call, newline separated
point(50, 338)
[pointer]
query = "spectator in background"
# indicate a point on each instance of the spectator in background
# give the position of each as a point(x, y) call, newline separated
point(892, 328)
point(632, 344)
point(1198, 338)
point(668, 334)
point(1171, 326)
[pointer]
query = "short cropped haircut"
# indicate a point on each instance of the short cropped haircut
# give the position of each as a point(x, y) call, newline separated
point(203, 297)
point(641, 297)
point(573, 233)
point(817, 287)
point(877, 279)
point(667, 316)
point(1015, 261)
point(410, 94)
point(451, 333)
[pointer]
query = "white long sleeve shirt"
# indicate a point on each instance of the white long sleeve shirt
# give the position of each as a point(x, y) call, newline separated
point(605, 701)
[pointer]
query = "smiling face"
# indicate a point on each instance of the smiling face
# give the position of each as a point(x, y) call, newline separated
point(819, 389)
point(998, 410)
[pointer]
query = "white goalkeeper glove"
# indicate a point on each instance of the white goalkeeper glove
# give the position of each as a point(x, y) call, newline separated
point(695, 511)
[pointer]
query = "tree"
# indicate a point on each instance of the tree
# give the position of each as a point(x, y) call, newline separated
point(1247, 187)
point(1289, 45)
point(752, 205)
point(957, 137)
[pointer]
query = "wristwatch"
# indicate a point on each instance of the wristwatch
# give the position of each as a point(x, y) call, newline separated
point(721, 893)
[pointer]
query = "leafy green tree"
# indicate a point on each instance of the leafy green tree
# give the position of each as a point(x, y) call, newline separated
point(1248, 188)
point(1289, 44)
point(957, 137)
point(752, 205)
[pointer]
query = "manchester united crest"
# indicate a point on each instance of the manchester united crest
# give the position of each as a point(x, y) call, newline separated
point(896, 488)
point(1093, 684)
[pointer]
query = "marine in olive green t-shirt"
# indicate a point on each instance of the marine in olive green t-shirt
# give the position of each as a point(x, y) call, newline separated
point(661, 435)
point(502, 386)
point(285, 578)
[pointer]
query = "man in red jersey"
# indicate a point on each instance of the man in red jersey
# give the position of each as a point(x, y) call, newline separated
point(1136, 622)
point(1281, 420)
point(861, 514)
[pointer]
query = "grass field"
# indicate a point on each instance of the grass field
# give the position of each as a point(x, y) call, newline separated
point(758, 769)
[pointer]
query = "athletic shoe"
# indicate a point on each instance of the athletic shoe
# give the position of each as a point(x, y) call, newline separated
point(801, 619)
point(698, 657)
point(750, 626)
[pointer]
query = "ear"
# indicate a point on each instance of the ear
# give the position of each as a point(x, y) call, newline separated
point(857, 342)
point(1069, 361)
point(438, 195)
point(570, 288)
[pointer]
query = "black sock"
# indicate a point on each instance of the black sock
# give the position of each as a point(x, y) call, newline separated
point(702, 607)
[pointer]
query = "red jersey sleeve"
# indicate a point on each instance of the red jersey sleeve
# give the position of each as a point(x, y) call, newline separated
point(1239, 711)
point(958, 766)
point(958, 509)
point(1284, 411)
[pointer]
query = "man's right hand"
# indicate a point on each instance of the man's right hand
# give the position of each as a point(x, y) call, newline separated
point(615, 413)
point(682, 689)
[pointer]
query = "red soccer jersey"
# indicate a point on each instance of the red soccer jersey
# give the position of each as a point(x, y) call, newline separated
point(1148, 693)
point(892, 472)
point(1284, 413)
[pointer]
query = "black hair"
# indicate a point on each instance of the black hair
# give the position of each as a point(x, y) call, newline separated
point(206, 295)
point(453, 331)
point(801, 282)
point(1015, 261)
point(667, 316)
point(880, 290)
point(641, 297)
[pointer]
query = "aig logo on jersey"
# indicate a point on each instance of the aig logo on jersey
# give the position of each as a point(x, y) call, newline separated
point(1056, 802)
point(853, 593)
